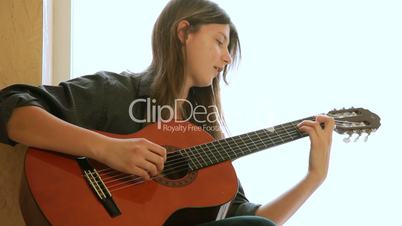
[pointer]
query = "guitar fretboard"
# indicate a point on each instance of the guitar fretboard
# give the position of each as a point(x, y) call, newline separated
point(231, 148)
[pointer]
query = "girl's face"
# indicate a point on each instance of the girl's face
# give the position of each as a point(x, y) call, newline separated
point(207, 54)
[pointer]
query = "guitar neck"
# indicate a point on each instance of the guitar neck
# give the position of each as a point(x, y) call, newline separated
point(231, 148)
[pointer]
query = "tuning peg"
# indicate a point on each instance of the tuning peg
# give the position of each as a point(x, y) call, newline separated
point(357, 138)
point(359, 133)
point(366, 138)
point(347, 139)
point(368, 134)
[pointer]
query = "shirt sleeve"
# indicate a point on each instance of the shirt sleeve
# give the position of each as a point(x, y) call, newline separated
point(78, 101)
point(241, 206)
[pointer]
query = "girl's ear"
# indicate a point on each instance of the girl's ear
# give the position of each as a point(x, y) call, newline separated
point(182, 30)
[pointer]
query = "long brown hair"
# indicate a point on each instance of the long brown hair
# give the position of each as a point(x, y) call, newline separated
point(168, 59)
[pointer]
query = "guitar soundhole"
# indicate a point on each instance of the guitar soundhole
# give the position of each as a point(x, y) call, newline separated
point(176, 172)
point(176, 166)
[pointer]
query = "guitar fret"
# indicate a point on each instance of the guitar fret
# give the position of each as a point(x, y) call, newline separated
point(219, 153)
point(190, 159)
point(245, 145)
point(263, 145)
point(278, 135)
point(217, 150)
point(200, 151)
point(213, 154)
point(200, 165)
point(287, 132)
point(253, 142)
point(266, 142)
point(236, 145)
point(228, 147)
point(268, 136)
point(208, 158)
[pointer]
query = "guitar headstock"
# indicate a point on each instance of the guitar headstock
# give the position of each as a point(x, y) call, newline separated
point(355, 121)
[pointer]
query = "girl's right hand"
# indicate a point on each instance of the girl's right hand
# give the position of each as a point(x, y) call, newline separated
point(137, 156)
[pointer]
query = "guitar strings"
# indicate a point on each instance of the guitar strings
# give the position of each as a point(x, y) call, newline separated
point(128, 183)
point(200, 154)
point(175, 160)
point(136, 179)
point(197, 153)
point(173, 170)
point(110, 169)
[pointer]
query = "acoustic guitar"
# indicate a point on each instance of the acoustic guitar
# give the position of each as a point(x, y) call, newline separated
point(77, 191)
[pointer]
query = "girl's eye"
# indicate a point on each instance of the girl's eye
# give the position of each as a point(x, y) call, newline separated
point(219, 42)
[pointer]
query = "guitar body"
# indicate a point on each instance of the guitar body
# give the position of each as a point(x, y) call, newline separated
point(64, 197)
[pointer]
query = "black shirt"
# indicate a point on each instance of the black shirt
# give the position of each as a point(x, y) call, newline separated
point(98, 102)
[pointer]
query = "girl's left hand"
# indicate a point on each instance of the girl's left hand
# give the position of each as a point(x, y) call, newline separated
point(321, 140)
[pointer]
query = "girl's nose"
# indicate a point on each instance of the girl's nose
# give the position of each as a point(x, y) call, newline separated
point(227, 58)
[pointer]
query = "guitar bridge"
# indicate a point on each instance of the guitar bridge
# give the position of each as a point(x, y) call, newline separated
point(98, 187)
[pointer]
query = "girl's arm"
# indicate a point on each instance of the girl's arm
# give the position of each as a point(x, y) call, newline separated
point(33, 126)
point(281, 209)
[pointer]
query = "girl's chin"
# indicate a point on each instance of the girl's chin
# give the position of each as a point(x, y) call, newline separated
point(203, 83)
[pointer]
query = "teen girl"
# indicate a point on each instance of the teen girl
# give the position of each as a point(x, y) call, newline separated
point(194, 42)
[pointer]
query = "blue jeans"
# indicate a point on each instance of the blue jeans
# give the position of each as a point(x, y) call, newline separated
point(241, 221)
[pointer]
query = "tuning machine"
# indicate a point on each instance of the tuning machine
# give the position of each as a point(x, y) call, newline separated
point(350, 134)
point(369, 131)
point(347, 139)
point(359, 133)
